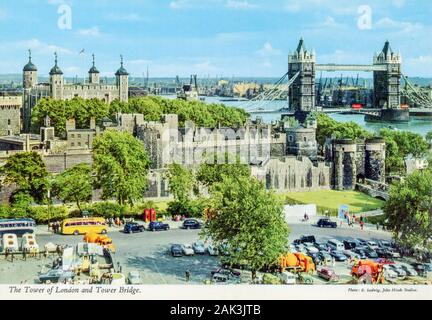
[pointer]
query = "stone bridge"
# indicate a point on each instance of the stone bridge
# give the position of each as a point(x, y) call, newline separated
point(373, 191)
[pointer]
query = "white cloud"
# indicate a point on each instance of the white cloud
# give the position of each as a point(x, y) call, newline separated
point(406, 27)
point(398, 3)
point(244, 5)
point(188, 4)
point(91, 32)
point(268, 50)
point(40, 47)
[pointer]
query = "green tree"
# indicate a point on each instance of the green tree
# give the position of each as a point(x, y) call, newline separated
point(328, 127)
point(401, 144)
point(28, 173)
point(209, 174)
point(409, 210)
point(121, 165)
point(249, 220)
point(74, 185)
point(429, 138)
point(181, 182)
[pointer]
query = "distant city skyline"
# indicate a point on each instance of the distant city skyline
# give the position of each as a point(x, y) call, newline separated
point(216, 38)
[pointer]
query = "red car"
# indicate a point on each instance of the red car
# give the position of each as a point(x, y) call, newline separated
point(328, 274)
point(384, 261)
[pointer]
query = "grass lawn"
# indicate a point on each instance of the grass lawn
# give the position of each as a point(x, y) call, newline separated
point(357, 201)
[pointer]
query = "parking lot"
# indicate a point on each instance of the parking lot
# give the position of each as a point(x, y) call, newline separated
point(149, 253)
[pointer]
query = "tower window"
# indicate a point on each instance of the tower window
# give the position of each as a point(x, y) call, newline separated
point(9, 122)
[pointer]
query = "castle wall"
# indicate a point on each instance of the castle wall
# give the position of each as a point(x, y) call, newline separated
point(10, 115)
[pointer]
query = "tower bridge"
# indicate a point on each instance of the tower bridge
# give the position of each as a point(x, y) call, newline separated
point(387, 75)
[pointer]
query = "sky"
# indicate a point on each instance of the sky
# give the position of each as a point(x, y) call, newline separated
point(216, 38)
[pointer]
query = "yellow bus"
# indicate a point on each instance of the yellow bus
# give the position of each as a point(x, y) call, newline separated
point(78, 226)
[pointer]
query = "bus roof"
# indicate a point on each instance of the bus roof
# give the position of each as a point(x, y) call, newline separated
point(83, 219)
point(16, 220)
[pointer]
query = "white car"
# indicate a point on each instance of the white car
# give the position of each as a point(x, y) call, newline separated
point(373, 245)
point(399, 270)
point(389, 272)
point(312, 249)
point(188, 250)
point(288, 277)
point(198, 247)
point(212, 250)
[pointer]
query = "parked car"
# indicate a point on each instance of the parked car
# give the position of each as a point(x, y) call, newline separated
point(192, 224)
point(212, 250)
point(372, 245)
point(410, 271)
point(384, 261)
point(385, 244)
point(56, 275)
point(134, 278)
point(288, 277)
point(218, 278)
point(199, 247)
point(327, 274)
point(422, 268)
point(371, 254)
point(338, 255)
point(321, 246)
point(351, 254)
point(383, 253)
point(301, 248)
point(227, 271)
point(326, 223)
point(389, 272)
point(325, 257)
point(361, 253)
point(361, 242)
point(176, 250)
point(349, 244)
point(399, 270)
point(310, 239)
point(132, 227)
point(158, 226)
point(311, 249)
point(393, 253)
point(188, 250)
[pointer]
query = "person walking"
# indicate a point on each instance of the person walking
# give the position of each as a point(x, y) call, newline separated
point(24, 254)
point(333, 261)
point(187, 274)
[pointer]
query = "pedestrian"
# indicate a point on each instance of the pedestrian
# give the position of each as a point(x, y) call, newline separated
point(341, 223)
point(24, 254)
point(6, 253)
point(333, 261)
point(361, 224)
point(354, 218)
point(188, 274)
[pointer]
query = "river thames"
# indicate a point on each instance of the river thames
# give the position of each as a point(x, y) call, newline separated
point(417, 125)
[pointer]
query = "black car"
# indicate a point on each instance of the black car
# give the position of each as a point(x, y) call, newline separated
point(176, 250)
point(339, 256)
point(350, 244)
point(326, 223)
point(158, 226)
point(227, 271)
point(307, 239)
point(192, 224)
point(132, 227)
point(384, 253)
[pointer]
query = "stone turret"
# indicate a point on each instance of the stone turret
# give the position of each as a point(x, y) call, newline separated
point(122, 81)
point(56, 81)
point(345, 166)
point(94, 74)
point(30, 74)
point(375, 157)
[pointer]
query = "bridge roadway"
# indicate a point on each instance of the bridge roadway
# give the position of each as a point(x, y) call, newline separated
point(419, 112)
point(350, 67)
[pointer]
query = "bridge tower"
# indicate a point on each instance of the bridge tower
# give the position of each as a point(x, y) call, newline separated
point(387, 93)
point(302, 91)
